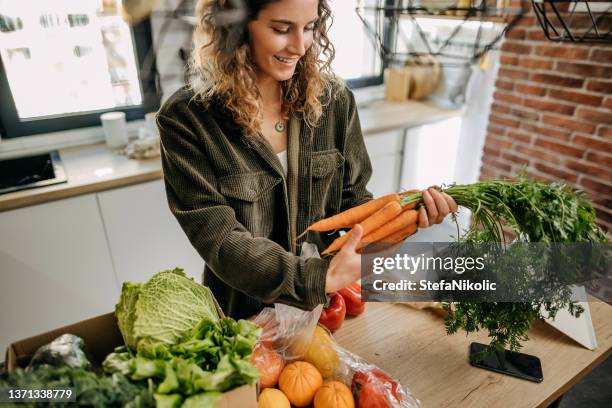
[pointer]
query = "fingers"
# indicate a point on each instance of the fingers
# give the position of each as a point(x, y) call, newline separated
point(355, 238)
point(430, 205)
point(423, 220)
point(441, 205)
point(451, 202)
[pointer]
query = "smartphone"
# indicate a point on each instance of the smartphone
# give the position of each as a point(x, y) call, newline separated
point(507, 362)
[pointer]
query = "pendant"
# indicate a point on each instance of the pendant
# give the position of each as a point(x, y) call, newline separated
point(279, 126)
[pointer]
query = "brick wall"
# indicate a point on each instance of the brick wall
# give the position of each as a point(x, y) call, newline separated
point(552, 111)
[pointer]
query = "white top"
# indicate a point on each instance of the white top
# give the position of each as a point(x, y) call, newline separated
point(282, 156)
point(308, 250)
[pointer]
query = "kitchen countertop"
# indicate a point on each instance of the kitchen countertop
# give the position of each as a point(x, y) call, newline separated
point(94, 168)
point(412, 346)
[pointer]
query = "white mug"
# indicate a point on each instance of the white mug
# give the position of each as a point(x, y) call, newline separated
point(115, 129)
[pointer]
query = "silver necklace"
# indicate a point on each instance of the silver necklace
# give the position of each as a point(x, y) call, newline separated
point(279, 126)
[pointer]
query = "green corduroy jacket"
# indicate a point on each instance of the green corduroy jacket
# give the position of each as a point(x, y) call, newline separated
point(239, 210)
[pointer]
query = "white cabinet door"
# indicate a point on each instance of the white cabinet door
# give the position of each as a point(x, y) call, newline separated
point(55, 267)
point(385, 150)
point(143, 235)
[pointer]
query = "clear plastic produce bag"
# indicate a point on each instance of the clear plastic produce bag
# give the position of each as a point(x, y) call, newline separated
point(290, 334)
point(287, 330)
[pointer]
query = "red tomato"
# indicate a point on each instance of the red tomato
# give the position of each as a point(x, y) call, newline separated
point(373, 389)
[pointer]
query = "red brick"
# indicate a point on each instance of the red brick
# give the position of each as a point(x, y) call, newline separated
point(596, 186)
point(600, 158)
point(499, 108)
point(548, 131)
point(594, 115)
point(505, 73)
point(588, 70)
point(508, 86)
point(496, 130)
point(516, 47)
point(565, 51)
point(506, 59)
point(516, 33)
point(536, 35)
point(605, 131)
point(498, 143)
point(506, 97)
point(535, 63)
point(523, 114)
point(538, 153)
point(599, 86)
point(491, 152)
point(527, 21)
point(579, 97)
point(515, 159)
point(601, 55)
point(499, 120)
point(520, 137)
point(605, 202)
point(558, 173)
point(608, 103)
point(592, 142)
point(496, 163)
point(585, 168)
point(550, 106)
point(568, 123)
point(560, 148)
point(558, 80)
point(530, 89)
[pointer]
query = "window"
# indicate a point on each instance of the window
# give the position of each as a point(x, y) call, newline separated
point(66, 61)
point(357, 59)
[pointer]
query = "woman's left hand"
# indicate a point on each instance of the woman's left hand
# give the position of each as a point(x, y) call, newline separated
point(437, 206)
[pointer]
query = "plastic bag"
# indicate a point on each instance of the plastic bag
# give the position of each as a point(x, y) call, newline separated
point(291, 334)
point(373, 386)
point(287, 330)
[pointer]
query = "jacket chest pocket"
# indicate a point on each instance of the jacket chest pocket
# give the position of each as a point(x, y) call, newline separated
point(252, 196)
point(326, 182)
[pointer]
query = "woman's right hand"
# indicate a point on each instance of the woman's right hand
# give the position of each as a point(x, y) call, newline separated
point(345, 266)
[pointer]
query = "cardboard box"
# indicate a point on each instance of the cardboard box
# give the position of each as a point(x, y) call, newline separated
point(101, 335)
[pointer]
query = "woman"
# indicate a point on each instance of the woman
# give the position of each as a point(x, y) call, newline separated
point(264, 142)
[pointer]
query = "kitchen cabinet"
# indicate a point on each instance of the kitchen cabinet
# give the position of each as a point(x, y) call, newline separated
point(386, 151)
point(143, 235)
point(55, 265)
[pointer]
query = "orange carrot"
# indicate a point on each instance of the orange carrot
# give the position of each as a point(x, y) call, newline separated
point(409, 206)
point(400, 235)
point(406, 218)
point(352, 216)
point(374, 221)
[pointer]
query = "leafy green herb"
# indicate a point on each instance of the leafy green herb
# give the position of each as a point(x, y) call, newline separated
point(534, 212)
point(91, 389)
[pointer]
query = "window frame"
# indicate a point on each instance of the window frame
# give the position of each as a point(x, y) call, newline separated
point(12, 127)
point(373, 80)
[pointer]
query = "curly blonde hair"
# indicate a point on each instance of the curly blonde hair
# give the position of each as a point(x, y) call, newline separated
point(222, 65)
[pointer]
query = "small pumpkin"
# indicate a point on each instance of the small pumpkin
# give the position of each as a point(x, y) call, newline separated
point(334, 394)
point(300, 381)
point(321, 353)
point(269, 364)
point(273, 398)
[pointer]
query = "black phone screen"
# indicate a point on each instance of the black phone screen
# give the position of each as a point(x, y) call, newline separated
point(511, 363)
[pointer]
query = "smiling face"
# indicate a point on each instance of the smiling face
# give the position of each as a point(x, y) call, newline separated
point(281, 35)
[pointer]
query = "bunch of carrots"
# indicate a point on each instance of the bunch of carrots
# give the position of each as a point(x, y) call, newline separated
point(388, 219)
point(531, 209)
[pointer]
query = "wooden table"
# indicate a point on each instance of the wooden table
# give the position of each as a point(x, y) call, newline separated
point(412, 346)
